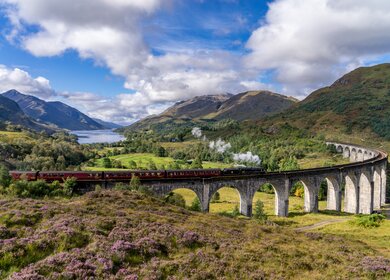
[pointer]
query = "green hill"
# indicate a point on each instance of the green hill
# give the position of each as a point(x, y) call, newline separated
point(357, 103)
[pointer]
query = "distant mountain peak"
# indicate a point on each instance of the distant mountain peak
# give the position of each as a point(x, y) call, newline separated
point(53, 113)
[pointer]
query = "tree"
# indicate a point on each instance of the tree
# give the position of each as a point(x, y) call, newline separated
point(5, 178)
point(195, 205)
point(69, 186)
point(259, 211)
point(135, 183)
point(160, 152)
point(132, 164)
point(175, 199)
point(107, 162)
point(197, 163)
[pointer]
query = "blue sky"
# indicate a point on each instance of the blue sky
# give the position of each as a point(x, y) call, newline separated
point(122, 60)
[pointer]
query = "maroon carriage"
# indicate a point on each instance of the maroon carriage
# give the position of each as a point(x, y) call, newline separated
point(193, 173)
point(25, 175)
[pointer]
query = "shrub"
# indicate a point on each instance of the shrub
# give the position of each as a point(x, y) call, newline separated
point(175, 199)
point(259, 211)
point(195, 205)
point(69, 186)
point(267, 188)
point(369, 221)
point(5, 178)
point(135, 183)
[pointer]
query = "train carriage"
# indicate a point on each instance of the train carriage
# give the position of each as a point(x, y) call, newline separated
point(127, 175)
point(80, 176)
point(26, 175)
point(193, 173)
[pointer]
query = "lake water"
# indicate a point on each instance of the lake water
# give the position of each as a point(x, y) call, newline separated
point(97, 136)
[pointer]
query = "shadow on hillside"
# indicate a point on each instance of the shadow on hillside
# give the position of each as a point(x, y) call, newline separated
point(323, 212)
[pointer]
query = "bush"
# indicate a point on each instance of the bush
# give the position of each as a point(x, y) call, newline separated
point(69, 186)
point(175, 199)
point(267, 188)
point(259, 212)
point(369, 221)
point(5, 178)
point(195, 205)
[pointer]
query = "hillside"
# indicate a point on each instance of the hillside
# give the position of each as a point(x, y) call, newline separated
point(10, 112)
point(108, 125)
point(128, 235)
point(358, 101)
point(54, 113)
point(251, 105)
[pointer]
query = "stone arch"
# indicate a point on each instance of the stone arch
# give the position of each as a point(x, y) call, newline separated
point(311, 188)
point(339, 149)
point(333, 198)
point(377, 188)
point(359, 155)
point(353, 156)
point(241, 196)
point(351, 194)
point(268, 189)
point(365, 194)
point(184, 192)
point(366, 155)
point(347, 152)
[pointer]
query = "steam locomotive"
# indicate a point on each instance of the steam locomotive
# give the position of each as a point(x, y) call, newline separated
point(96, 176)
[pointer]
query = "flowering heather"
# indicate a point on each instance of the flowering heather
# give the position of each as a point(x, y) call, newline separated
point(127, 235)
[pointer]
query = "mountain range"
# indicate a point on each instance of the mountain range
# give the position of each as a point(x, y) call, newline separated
point(54, 114)
point(358, 101)
point(250, 105)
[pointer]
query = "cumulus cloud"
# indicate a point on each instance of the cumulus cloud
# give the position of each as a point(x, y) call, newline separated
point(110, 33)
point(22, 81)
point(310, 43)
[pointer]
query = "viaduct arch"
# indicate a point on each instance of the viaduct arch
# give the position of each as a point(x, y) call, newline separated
point(363, 179)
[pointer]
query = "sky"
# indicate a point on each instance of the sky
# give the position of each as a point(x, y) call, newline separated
point(122, 60)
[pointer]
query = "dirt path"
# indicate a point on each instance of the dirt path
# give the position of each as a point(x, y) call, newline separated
point(321, 224)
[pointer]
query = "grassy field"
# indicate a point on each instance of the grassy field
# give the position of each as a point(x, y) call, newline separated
point(144, 159)
point(8, 136)
point(321, 160)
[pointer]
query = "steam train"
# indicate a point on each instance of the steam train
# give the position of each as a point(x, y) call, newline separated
point(96, 176)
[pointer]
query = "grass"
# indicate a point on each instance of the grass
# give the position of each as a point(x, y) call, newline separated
point(144, 159)
point(320, 160)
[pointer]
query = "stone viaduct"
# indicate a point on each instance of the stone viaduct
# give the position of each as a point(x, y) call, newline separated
point(362, 184)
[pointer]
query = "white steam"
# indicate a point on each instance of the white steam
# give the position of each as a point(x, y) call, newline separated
point(248, 157)
point(222, 147)
point(196, 132)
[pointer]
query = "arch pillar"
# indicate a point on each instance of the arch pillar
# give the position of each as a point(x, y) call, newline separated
point(383, 183)
point(366, 193)
point(334, 193)
point(282, 191)
point(312, 187)
point(351, 193)
point(346, 152)
point(377, 179)
point(205, 198)
point(247, 190)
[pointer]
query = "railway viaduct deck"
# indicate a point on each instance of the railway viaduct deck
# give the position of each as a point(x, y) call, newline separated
point(362, 184)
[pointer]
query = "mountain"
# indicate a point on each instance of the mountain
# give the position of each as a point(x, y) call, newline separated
point(54, 113)
point(108, 125)
point(250, 105)
point(11, 112)
point(357, 102)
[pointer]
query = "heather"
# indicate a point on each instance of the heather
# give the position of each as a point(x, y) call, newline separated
point(130, 235)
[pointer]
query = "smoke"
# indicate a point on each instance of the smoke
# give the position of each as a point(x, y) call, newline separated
point(196, 132)
point(220, 146)
point(248, 157)
point(223, 147)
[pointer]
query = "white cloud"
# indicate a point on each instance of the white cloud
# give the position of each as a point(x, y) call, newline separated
point(109, 32)
point(22, 81)
point(310, 43)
